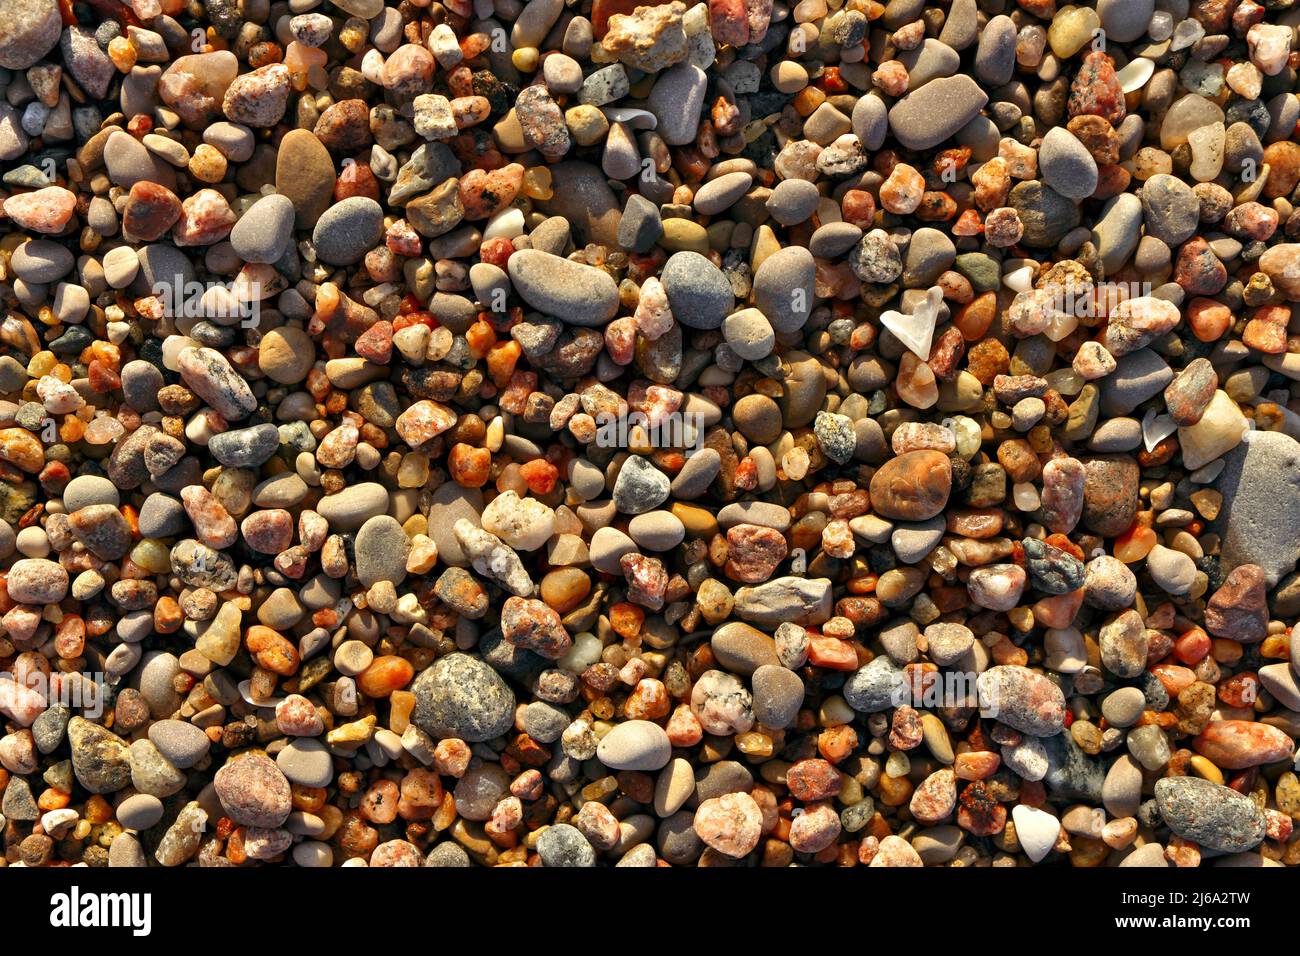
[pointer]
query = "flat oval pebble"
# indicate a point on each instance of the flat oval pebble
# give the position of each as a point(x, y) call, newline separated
point(182, 743)
point(698, 292)
point(635, 745)
point(346, 231)
point(264, 229)
point(577, 294)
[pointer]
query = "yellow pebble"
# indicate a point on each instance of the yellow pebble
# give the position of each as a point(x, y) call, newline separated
point(123, 54)
point(207, 164)
point(537, 183)
point(525, 59)
point(1205, 770)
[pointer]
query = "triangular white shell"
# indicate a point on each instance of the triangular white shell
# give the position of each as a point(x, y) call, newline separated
point(1156, 428)
point(1036, 830)
point(916, 331)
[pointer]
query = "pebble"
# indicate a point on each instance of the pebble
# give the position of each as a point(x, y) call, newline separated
point(181, 743)
point(778, 695)
point(1066, 165)
point(1258, 525)
point(580, 295)
point(139, 811)
point(264, 231)
point(730, 824)
point(926, 117)
point(381, 551)
point(305, 175)
point(100, 758)
point(350, 508)
point(1209, 814)
point(32, 30)
point(345, 231)
point(912, 487)
point(698, 293)
point(1036, 831)
point(564, 846)
point(1173, 571)
point(783, 289)
point(460, 696)
point(1023, 699)
point(676, 99)
point(306, 762)
point(635, 745)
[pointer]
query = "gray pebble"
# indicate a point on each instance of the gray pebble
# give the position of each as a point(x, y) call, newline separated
point(306, 761)
point(1125, 20)
point(912, 542)
point(264, 232)
point(641, 226)
point(1260, 520)
point(698, 293)
point(182, 743)
point(162, 516)
point(924, 118)
point(245, 447)
point(1209, 814)
point(461, 696)
point(697, 474)
point(86, 490)
point(347, 230)
point(139, 811)
point(544, 722)
point(233, 140)
point(635, 745)
point(350, 508)
point(1123, 707)
point(784, 288)
point(795, 200)
point(1066, 165)
point(1170, 209)
point(1137, 377)
point(564, 846)
point(640, 486)
point(718, 195)
point(381, 550)
point(875, 686)
point(833, 239)
point(1045, 214)
point(156, 682)
point(995, 57)
point(447, 853)
point(576, 293)
point(778, 694)
point(41, 261)
point(676, 100)
point(932, 60)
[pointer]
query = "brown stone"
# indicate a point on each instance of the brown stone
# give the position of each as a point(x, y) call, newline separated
point(304, 173)
point(1110, 494)
point(150, 211)
point(1239, 609)
point(912, 487)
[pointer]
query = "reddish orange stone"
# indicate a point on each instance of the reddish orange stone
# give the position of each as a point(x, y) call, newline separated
point(385, 675)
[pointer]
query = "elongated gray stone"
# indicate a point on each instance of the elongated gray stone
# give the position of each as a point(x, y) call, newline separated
point(579, 294)
point(1209, 814)
point(926, 117)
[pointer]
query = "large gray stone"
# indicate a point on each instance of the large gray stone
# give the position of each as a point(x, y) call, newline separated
point(1260, 520)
